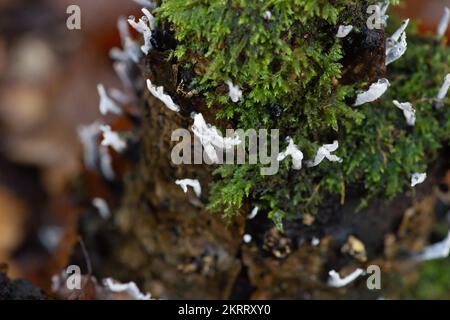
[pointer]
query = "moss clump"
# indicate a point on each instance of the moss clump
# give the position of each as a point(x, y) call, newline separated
point(289, 67)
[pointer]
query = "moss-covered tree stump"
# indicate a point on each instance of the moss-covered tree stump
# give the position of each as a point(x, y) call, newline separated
point(298, 77)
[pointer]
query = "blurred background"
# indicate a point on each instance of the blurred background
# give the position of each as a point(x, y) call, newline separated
point(48, 79)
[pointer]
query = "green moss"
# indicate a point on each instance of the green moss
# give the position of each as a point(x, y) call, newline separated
point(289, 69)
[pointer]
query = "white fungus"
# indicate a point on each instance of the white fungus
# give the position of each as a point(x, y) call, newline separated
point(293, 151)
point(144, 26)
point(396, 44)
point(139, 26)
point(88, 136)
point(384, 6)
point(443, 23)
point(253, 213)
point(437, 250)
point(235, 93)
point(247, 238)
point(112, 139)
point(336, 281)
point(57, 281)
point(325, 152)
point(315, 242)
point(121, 70)
point(118, 54)
point(399, 32)
point(375, 91)
point(158, 92)
point(443, 91)
point(417, 178)
point(132, 50)
point(194, 184)
point(267, 15)
point(129, 288)
point(396, 50)
point(408, 111)
point(150, 18)
point(107, 105)
point(124, 32)
point(119, 96)
point(146, 3)
point(50, 237)
point(106, 167)
point(210, 138)
point(343, 31)
point(102, 207)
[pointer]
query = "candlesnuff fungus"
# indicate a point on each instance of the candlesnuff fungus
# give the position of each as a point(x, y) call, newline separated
point(132, 50)
point(443, 23)
point(146, 4)
point(396, 44)
point(130, 288)
point(88, 136)
point(247, 238)
point(439, 250)
point(383, 10)
point(50, 237)
point(325, 152)
point(106, 167)
point(210, 138)
point(336, 281)
point(395, 50)
point(417, 178)
point(144, 26)
point(141, 26)
point(267, 15)
point(293, 151)
point(119, 96)
point(112, 139)
point(399, 32)
point(131, 47)
point(315, 241)
point(150, 18)
point(343, 31)
point(408, 111)
point(194, 184)
point(443, 91)
point(234, 92)
point(158, 92)
point(107, 105)
point(124, 32)
point(102, 207)
point(118, 55)
point(253, 214)
point(121, 70)
point(376, 90)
